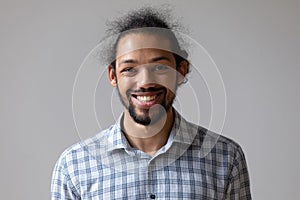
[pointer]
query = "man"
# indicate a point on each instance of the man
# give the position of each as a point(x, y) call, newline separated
point(151, 152)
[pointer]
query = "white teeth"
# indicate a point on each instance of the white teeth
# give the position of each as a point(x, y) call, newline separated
point(146, 98)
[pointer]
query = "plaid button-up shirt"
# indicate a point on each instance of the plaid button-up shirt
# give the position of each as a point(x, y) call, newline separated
point(194, 164)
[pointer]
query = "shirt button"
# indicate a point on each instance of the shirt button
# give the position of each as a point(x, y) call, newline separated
point(152, 196)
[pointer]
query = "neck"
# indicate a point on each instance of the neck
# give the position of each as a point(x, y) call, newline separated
point(151, 138)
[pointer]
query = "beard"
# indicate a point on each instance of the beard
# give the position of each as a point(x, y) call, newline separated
point(152, 115)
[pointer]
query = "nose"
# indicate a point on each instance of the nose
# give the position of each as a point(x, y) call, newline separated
point(145, 78)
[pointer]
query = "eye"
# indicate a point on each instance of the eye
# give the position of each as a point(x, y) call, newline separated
point(160, 68)
point(129, 71)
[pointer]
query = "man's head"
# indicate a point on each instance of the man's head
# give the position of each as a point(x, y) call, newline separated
point(148, 65)
point(146, 20)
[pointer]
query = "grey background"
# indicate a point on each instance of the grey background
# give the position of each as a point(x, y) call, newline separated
point(255, 44)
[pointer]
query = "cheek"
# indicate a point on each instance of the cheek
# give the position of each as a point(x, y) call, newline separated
point(170, 82)
point(125, 81)
point(124, 84)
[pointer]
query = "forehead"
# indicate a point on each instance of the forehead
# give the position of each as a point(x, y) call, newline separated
point(141, 41)
point(143, 56)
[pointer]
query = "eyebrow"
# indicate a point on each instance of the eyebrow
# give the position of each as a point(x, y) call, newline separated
point(128, 61)
point(160, 58)
point(152, 60)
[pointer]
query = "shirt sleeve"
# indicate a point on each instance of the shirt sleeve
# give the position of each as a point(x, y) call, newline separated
point(239, 183)
point(61, 184)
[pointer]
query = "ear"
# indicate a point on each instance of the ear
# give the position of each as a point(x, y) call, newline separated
point(112, 76)
point(182, 69)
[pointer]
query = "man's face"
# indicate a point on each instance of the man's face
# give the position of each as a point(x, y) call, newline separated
point(145, 76)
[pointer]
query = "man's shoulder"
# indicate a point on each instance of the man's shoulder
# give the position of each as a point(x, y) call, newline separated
point(203, 138)
point(85, 148)
point(210, 141)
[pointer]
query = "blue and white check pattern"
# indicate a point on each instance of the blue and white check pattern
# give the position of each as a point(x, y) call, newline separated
point(194, 164)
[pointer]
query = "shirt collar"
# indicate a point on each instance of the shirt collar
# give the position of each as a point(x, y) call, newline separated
point(182, 132)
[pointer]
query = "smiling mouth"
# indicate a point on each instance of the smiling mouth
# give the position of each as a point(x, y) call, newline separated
point(146, 98)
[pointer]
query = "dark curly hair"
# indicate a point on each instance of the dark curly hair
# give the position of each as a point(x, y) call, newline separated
point(146, 20)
